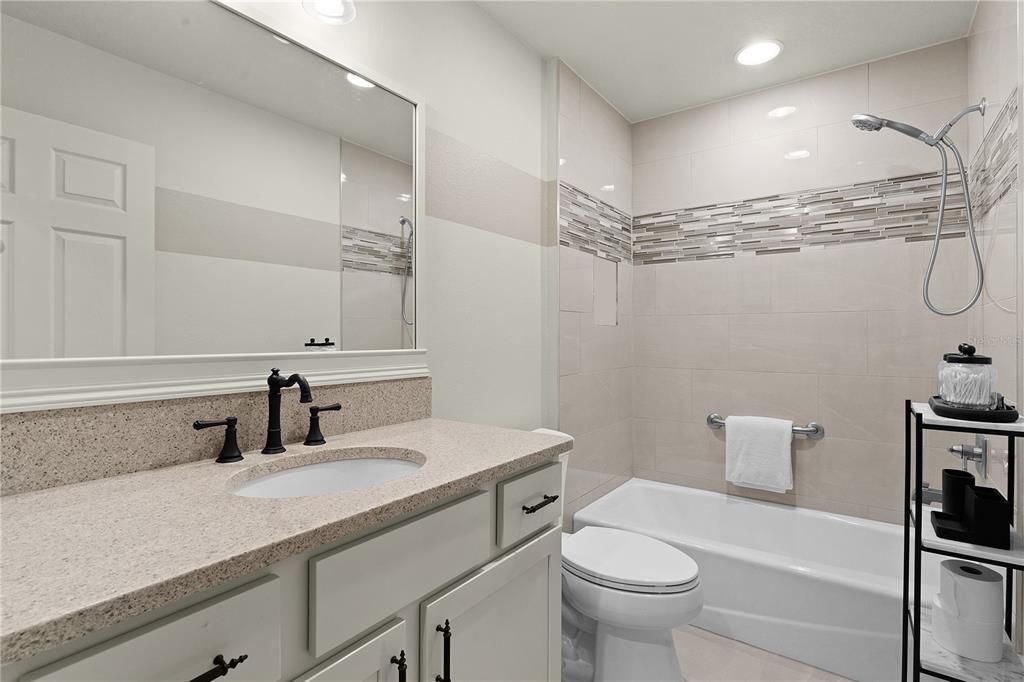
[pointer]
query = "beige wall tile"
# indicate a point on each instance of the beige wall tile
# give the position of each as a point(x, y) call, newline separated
point(663, 184)
point(927, 75)
point(644, 443)
point(568, 343)
point(851, 471)
point(714, 287)
point(911, 343)
point(756, 168)
point(575, 280)
point(606, 291)
point(573, 505)
point(844, 278)
point(644, 287)
point(829, 98)
point(661, 393)
point(768, 394)
point(590, 400)
point(869, 408)
point(712, 484)
point(681, 133)
point(833, 343)
point(681, 341)
point(605, 346)
point(608, 449)
point(688, 449)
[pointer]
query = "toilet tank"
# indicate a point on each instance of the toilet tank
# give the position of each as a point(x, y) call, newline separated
point(563, 458)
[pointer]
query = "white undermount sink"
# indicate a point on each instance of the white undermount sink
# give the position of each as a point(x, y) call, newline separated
point(352, 469)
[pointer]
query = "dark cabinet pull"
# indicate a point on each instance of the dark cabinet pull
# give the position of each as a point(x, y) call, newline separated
point(400, 662)
point(447, 632)
point(220, 668)
point(548, 499)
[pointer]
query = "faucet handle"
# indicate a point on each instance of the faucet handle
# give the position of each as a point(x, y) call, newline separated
point(315, 436)
point(229, 452)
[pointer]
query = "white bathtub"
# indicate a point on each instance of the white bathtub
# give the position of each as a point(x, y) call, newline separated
point(817, 587)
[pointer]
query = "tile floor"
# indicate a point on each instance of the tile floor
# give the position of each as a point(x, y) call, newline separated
point(707, 657)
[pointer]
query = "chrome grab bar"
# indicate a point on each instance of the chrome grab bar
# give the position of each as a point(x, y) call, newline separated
point(813, 430)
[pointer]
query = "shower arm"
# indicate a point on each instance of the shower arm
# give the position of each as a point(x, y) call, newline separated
point(940, 135)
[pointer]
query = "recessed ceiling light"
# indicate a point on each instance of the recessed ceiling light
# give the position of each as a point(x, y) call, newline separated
point(331, 11)
point(344, 177)
point(561, 162)
point(359, 81)
point(781, 112)
point(796, 155)
point(759, 52)
point(404, 197)
point(607, 188)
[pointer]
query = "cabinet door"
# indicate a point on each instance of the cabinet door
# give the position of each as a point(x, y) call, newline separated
point(367, 661)
point(504, 618)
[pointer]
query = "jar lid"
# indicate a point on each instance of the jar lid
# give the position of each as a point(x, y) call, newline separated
point(966, 356)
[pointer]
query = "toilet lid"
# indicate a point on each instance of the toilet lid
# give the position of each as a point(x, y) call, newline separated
point(628, 561)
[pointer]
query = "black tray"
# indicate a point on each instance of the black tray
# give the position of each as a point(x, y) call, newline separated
point(1002, 415)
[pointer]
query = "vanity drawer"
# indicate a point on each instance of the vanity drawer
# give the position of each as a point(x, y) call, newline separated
point(358, 585)
point(368, 659)
point(183, 645)
point(528, 490)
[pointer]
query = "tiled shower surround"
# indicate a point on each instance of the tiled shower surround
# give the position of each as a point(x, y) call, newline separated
point(589, 224)
point(374, 251)
point(893, 208)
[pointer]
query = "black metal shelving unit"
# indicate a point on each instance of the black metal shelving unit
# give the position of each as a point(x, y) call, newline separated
point(919, 539)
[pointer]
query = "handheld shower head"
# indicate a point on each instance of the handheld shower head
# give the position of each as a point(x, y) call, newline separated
point(872, 123)
point(866, 122)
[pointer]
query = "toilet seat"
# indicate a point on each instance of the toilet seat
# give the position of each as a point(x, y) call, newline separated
point(629, 562)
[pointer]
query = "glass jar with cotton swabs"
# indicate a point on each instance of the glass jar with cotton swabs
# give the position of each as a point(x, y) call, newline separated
point(967, 380)
point(967, 388)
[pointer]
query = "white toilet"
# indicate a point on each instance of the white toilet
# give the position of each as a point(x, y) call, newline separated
point(622, 595)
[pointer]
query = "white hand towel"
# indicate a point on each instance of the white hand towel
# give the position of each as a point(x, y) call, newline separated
point(759, 453)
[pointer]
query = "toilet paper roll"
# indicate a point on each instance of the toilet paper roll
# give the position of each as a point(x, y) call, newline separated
point(971, 592)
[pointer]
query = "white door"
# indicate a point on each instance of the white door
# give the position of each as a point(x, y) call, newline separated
point(505, 619)
point(370, 660)
point(78, 242)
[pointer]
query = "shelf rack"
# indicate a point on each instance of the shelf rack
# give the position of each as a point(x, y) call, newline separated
point(927, 657)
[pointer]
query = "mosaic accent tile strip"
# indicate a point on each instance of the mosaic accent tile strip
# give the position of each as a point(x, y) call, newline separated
point(993, 170)
point(374, 251)
point(589, 224)
point(897, 208)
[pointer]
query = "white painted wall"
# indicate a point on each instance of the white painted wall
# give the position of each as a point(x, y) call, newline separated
point(479, 292)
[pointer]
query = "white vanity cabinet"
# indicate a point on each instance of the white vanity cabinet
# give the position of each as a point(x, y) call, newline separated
point(342, 613)
point(504, 619)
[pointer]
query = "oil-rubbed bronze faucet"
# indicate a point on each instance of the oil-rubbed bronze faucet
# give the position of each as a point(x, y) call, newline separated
point(276, 382)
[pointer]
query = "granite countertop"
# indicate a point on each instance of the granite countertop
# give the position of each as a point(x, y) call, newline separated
point(82, 557)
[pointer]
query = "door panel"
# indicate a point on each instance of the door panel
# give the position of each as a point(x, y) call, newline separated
point(81, 268)
point(505, 618)
point(366, 661)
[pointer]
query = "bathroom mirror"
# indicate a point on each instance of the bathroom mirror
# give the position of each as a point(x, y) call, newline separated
point(165, 195)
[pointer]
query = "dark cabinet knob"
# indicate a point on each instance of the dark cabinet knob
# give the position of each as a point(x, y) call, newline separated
point(229, 452)
point(402, 667)
point(446, 630)
point(548, 499)
point(221, 667)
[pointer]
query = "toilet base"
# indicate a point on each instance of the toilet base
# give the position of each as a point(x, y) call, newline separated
point(635, 655)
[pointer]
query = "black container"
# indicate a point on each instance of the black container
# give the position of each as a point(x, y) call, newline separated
point(987, 517)
point(954, 491)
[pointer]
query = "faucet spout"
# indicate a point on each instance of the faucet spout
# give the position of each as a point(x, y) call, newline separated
point(275, 382)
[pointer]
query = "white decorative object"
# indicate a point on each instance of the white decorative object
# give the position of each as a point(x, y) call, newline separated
point(967, 613)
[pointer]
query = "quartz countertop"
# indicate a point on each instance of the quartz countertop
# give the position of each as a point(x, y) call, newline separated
point(79, 558)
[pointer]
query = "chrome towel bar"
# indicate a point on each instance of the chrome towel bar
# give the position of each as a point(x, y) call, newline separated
point(813, 431)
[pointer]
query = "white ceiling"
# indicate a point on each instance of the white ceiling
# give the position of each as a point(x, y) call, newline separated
point(652, 58)
point(207, 45)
